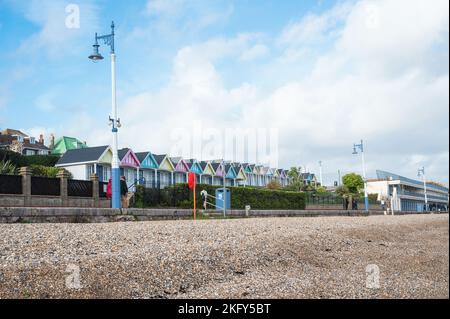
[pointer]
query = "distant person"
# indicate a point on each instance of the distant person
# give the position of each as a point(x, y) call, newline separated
point(354, 204)
point(109, 192)
point(345, 201)
point(124, 191)
point(383, 205)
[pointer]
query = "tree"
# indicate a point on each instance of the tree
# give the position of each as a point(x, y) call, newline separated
point(353, 182)
point(321, 190)
point(296, 184)
point(342, 190)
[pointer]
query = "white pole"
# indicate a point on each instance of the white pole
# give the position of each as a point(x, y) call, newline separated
point(115, 156)
point(224, 189)
point(425, 189)
point(320, 172)
point(366, 195)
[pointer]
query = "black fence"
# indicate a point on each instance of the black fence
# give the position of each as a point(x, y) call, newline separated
point(79, 188)
point(102, 189)
point(314, 199)
point(10, 184)
point(45, 186)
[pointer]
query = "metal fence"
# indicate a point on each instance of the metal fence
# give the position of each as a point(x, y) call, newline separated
point(79, 188)
point(10, 184)
point(102, 189)
point(45, 186)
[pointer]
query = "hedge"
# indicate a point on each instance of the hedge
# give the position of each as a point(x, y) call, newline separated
point(21, 160)
point(180, 196)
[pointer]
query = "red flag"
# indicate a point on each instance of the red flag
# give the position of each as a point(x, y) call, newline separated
point(192, 181)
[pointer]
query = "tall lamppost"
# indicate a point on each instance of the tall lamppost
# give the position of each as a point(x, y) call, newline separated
point(320, 173)
point(224, 189)
point(421, 173)
point(355, 152)
point(108, 39)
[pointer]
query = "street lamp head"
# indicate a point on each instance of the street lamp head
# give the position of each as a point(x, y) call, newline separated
point(96, 56)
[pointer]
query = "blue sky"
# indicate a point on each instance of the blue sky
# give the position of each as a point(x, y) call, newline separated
point(324, 74)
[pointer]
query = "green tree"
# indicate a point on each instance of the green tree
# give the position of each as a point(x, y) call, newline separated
point(297, 184)
point(321, 190)
point(353, 182)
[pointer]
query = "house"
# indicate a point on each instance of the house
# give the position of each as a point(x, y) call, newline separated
point(83, 162)
point(309, 178)
point(195, 167)
point(218, 173)
point(129, 167)
point(241, 177)
point(230, 175)
point(165, 170)
point(181, 170)
point(148, 170)
point(19, 142)
point(208, 173)
point(65, 143)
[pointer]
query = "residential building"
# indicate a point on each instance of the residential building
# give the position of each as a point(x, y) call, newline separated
point(19, 142)
point(84, 162)
point(160, 171)
point(407, 194)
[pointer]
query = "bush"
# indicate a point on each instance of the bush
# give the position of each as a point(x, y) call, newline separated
point(44, 171)
point(180, 196)
point(7, 168)
point(21, 160)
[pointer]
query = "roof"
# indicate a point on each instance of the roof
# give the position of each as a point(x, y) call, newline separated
point(159, 158)
point(65, 143)
point(176, 160)
point(122, 152)
point(203, 164)
point(141, 156)
point(215, 166)
point(82, 155)
point(10, 131)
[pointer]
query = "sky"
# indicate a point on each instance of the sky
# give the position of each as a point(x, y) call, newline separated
point(295, 82)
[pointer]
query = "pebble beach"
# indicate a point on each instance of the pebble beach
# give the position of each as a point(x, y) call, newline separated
point(323, 257)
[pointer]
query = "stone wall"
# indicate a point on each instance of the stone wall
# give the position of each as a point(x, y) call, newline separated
point(63, 200)
point(99, 215)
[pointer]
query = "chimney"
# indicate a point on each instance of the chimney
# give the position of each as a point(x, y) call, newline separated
point(41, 139)
point(52, 141)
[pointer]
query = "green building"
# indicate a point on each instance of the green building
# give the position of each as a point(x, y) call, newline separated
point(65, 143)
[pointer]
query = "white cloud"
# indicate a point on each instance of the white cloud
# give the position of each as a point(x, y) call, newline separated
point(375, 81)
point(54, 36)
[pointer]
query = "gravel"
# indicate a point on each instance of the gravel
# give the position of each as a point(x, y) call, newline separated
point(324, 257)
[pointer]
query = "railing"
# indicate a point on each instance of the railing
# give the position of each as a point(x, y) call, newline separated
point(45, 186)
point(79, 188)
point(420, 195)
point(10, 184)
point(102, 188)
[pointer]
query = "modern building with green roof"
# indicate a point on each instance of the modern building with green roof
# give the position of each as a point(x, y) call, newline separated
point(66, 143)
